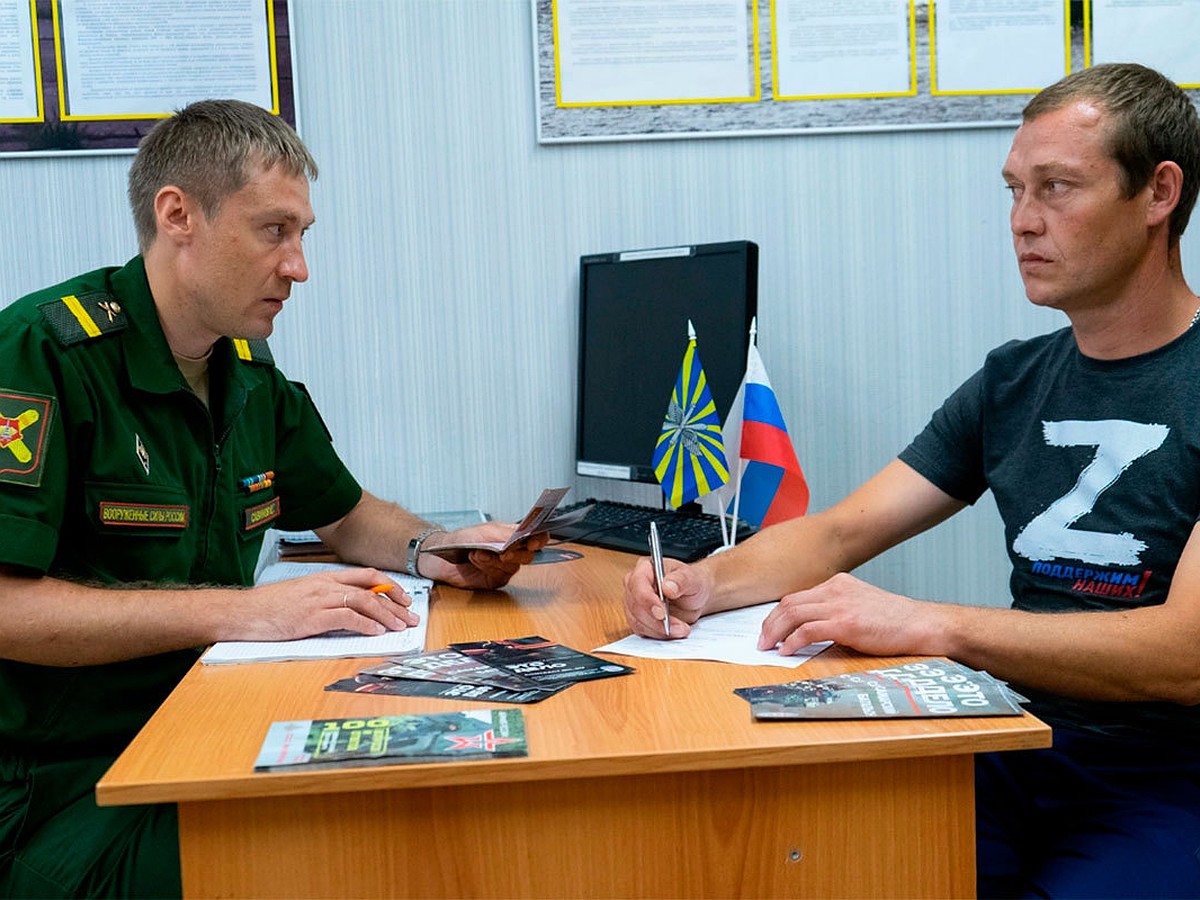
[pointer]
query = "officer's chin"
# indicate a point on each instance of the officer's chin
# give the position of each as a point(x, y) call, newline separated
point(258, 329)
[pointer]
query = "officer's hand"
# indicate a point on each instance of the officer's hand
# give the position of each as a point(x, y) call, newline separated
point(478, 569)
point(334, 600)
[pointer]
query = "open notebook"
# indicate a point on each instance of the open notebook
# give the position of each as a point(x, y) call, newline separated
point(331, 645)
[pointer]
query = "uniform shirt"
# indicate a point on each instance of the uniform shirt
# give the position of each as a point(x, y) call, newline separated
point(1095, 468)
point(113, 471)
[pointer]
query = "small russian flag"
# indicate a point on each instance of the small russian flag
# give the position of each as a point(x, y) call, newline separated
point(771, 487)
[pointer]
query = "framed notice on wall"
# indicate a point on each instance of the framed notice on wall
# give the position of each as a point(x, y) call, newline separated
point(643, 69)
point(93, 76)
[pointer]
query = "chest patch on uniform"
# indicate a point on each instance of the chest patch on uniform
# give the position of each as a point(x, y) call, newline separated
point(143, 515)
point(24, 424)
point(255, 516)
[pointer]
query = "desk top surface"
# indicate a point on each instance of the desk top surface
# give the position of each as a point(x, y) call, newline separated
point(669, 716)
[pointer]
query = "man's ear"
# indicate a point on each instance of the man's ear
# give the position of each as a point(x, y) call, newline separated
point(1166, 185)
point(176, 214)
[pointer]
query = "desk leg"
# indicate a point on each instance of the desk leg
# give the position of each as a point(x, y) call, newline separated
point(892, 828)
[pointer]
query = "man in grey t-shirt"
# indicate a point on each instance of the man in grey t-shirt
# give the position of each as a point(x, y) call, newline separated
point(1087, 439)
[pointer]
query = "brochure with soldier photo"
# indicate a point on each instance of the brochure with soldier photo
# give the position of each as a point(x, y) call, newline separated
point(450, 666)
point(540, 660)
point(390, 740)
point(931, 687)
point(365, 683)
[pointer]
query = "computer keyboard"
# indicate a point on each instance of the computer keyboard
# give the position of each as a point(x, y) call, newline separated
point(686, 536)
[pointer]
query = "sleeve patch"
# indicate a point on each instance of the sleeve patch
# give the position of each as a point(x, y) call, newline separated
point(80, 317)
point(24, 425)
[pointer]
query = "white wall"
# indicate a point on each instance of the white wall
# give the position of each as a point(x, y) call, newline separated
point(438, 330)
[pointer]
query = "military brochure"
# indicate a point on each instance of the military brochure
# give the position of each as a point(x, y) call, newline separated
point(513, 670)
point(391, 740)
point(364, 683)
point(931, 687)
point(450, 665)
point(538, 520)
point(541, 661)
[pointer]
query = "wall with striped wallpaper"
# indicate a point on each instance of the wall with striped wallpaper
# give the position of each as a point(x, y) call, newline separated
point(438, 329)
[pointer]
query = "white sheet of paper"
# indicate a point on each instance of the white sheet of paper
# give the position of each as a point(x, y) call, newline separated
point(329, 646)
point(18, 62)
point(622, 51)
point(730, 637)
point(123, 58)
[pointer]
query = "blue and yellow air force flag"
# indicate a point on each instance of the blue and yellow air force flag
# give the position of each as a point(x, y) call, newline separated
point(689, 458)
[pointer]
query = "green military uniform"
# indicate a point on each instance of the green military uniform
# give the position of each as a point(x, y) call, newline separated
point(112, 470)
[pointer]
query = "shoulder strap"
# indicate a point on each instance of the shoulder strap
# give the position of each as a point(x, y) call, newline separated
point(253, 351)
point(80, 317)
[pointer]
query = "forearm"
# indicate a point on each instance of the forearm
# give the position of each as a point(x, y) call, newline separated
point(374, 533)
point(787, 557)
point(888, 508)
point(1140, 654)
point(51, 622)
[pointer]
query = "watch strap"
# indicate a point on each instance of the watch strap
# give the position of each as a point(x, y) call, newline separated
point(413, 556)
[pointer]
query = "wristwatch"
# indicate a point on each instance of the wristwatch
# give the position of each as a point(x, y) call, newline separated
point(414, 549)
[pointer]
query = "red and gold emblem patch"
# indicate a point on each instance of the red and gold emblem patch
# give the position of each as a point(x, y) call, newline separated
point(24, 425)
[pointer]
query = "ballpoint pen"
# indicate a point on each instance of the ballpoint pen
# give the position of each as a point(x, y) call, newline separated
point(656, 557)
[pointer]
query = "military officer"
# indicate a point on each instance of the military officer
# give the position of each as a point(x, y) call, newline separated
point(147, 442)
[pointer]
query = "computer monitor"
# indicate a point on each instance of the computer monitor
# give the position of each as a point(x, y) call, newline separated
point(634, 307)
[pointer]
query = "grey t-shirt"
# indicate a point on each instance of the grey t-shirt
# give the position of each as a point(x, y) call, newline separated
point(1095, 469)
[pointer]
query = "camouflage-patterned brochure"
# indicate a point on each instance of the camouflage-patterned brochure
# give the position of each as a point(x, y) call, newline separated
point(389, 740)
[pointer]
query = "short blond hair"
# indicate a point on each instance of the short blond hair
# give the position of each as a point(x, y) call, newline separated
point(209, 150)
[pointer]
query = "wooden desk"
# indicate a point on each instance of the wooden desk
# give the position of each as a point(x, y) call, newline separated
point(656, 784)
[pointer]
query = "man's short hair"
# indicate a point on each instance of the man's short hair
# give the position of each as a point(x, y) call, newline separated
point(1151, 120)
point(209, 149)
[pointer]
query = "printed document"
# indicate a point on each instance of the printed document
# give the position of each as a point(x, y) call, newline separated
point(730, 637)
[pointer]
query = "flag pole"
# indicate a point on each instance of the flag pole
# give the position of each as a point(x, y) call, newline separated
point(737, 495)
point(737, 488)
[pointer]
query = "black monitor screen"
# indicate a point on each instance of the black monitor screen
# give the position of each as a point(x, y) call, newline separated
point(634, 310)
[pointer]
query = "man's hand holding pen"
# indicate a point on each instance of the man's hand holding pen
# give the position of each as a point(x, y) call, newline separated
point(686, 591)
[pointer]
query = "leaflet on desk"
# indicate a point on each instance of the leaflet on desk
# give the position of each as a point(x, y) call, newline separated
point(923, 688)
point(388, 740)
point(332, 645)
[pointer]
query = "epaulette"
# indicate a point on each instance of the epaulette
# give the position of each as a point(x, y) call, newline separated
point(81, 317)
point(253, 351)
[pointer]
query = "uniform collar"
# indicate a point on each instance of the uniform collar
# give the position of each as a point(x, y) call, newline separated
point(148, 357)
